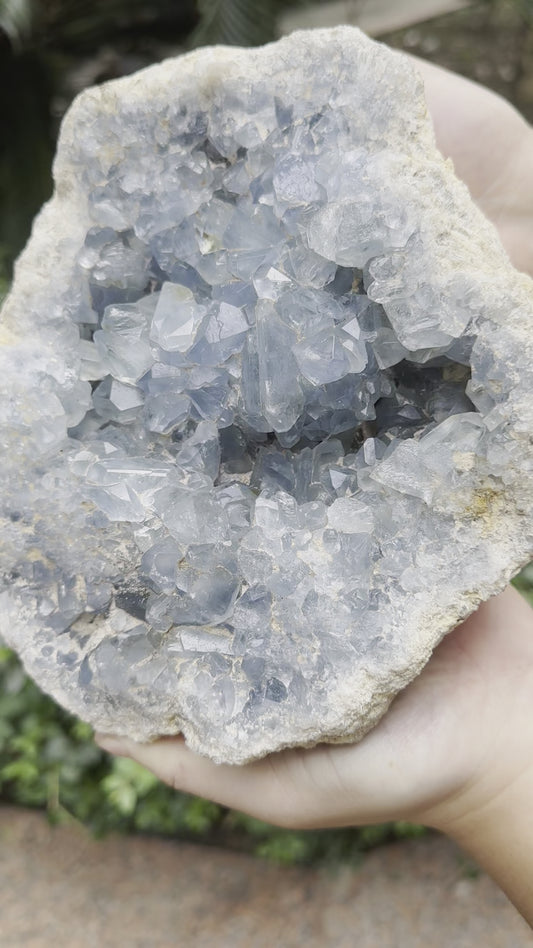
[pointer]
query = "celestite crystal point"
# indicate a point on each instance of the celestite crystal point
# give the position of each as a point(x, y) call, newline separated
point(265, 401)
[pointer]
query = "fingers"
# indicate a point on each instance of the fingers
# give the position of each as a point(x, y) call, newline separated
point(297, 788)
point(424, 751)
point(256, 788)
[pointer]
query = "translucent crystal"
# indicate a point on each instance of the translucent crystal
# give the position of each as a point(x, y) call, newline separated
point(177, 318)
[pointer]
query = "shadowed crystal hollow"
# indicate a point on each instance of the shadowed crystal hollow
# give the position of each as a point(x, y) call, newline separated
point(266, 401)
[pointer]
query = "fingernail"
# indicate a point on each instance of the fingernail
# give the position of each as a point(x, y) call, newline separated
point(112, 744)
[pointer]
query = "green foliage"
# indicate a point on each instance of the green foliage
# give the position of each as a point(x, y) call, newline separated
point(287, 848)
point(126, 785)
point(468, 868)
point(524, 583)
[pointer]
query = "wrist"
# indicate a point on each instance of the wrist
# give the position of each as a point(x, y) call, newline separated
point(489, 811)
point(489, 744)
point(500, 784)
point(498, 834)
point(479, 809)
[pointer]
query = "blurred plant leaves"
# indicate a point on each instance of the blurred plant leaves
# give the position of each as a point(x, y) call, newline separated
point(17, 20)
point(239, 22)
point(78, 24)
point(235, 22)
point(26, 150)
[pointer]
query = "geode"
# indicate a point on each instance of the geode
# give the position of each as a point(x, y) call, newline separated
point(266, 401)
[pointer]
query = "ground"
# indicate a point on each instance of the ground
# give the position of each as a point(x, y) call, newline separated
point(61, 888)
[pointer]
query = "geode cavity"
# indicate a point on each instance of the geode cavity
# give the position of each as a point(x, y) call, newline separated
point(266, 401)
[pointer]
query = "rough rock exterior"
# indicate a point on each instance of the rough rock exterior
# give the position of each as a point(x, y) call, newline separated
point(265, 401)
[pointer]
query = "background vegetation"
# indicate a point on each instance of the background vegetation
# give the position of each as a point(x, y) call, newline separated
point(50, 50)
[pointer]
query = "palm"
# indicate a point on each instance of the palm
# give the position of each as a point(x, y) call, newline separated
point(417, 759)
point(420, 754)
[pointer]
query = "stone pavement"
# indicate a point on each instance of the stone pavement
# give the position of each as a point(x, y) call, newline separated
point(61, 889)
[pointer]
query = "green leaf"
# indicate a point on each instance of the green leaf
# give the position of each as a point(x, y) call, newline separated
point(524, 582)
point(82, 731)
point(405, 830)
point(22, 769)
point(6, 656)
point(286, 848)
point(120, 794)
point(373, 835)
point(141, 779)
point(200, 815)
point(253, 827)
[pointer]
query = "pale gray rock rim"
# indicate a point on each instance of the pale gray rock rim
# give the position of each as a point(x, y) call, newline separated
point(493, 529)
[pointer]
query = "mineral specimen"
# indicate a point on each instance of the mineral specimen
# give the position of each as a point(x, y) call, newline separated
point(266, 409)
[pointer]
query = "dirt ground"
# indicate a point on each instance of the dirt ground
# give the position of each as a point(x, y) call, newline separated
point(61, 889)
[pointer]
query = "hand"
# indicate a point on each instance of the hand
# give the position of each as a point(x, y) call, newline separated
point(433, 741)
point(455, 751)
point(435, 749)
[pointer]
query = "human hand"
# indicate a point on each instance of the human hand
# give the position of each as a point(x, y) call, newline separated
point(430, 759)
point(455, 751)
point(456, 747)
point(422, 752)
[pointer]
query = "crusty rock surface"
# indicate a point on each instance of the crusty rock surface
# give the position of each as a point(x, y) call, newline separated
point(265, 401)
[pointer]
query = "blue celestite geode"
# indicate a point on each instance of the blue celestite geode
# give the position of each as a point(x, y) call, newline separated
point(266, 378)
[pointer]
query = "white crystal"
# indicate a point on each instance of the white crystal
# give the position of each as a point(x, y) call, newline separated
point(177, 318)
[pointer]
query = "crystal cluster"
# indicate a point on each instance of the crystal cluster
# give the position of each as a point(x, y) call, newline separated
point(263, 420)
